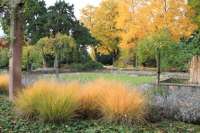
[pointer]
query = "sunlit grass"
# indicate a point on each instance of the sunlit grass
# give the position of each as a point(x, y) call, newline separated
point(125, 78)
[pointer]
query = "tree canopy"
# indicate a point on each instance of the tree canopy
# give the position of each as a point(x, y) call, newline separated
point(138, 19)
point(195, 4)
point(36, 20)
point(121, 24)
point(42, 21)
point(102, 24)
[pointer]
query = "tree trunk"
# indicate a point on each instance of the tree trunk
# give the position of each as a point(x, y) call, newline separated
point(28, 63)
point(56, 66)
point(44, 63)
point(16, 35)
point(195, 70)
point(136, 61)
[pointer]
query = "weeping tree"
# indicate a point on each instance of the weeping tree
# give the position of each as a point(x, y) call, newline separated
point(58, 48)
point(61, 44)
point(45, 47)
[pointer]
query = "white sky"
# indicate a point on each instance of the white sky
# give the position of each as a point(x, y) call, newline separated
point(1, 32)
point(78, 5)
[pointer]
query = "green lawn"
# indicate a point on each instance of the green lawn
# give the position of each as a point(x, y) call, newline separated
point(11, 123)
point(125, 78)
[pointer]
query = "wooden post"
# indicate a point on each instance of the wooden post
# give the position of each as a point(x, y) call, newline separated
point(136, 60)
point(195, 70)
point(158, 66)
point(16, 36)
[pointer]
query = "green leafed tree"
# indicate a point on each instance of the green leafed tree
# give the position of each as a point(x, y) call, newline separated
point(82, 35)
point(31, 58)
point(5, 15)
point(195, 4)
point(36, 20)
point(61, 18)
point(147, 47)
point(62, 46)
point(45, 46)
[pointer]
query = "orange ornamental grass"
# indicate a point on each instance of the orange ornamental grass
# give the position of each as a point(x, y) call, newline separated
point(49, 101)
point(55, 101)
point(113, 101)
point(121, 104)
point(4, 81)
point(89, 100)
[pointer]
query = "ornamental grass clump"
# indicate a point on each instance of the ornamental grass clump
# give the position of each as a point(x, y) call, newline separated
point(112, 101)
point(49, 101)
point(89, 101)
point(56, 102)
point(118, 103)
point(4, 81)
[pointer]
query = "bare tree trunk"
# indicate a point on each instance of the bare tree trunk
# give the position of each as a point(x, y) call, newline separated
point(136, 61)
point(44, 63)
point(195, 70)
point(16, 32)
point(56, 66)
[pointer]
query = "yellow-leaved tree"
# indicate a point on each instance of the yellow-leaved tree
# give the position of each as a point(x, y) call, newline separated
point(139, 18)
point(101, 21)
point(87, 16)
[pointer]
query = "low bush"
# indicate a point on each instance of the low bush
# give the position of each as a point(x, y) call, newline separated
point(4, 81)
point(93, 65)
point(49, 101)
point(88, 66)
point(4, 58)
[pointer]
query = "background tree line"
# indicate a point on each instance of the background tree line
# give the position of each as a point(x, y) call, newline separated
point(118, 32)
point(49, 32)
point(131, 31)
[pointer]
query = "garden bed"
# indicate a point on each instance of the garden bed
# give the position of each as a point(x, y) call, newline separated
point(10, 122)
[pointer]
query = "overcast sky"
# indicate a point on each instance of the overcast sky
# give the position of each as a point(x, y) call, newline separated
point(78, 4)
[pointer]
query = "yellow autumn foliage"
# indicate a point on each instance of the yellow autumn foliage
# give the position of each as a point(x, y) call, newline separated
point(4, 81)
